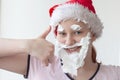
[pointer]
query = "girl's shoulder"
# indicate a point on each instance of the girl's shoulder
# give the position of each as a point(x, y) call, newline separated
point(109, 67)
point(108, 72)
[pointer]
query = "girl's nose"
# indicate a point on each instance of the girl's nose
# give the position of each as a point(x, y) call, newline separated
point(70, 40)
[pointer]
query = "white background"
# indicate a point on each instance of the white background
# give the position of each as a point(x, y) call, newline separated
point(29, 18)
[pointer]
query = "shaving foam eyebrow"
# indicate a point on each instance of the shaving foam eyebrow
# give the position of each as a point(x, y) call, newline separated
point(60, 28)
point(76, 27)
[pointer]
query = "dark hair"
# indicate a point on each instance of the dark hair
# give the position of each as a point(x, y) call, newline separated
point(94, 55)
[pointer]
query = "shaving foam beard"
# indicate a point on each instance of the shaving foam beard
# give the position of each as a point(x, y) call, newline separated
point(72, 61)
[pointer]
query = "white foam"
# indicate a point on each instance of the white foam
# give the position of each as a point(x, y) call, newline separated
point(75, 27)
point(71, 62)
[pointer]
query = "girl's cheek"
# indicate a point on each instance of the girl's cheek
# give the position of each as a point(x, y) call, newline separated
point(61, 40)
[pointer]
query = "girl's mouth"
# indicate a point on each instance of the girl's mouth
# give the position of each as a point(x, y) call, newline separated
point(74, 49)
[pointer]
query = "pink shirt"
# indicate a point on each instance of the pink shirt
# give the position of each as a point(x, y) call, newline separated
point(54, 72)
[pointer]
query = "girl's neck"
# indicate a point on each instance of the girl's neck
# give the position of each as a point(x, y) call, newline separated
point(89, 67)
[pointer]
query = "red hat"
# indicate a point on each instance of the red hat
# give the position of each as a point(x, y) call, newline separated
point(81, 10)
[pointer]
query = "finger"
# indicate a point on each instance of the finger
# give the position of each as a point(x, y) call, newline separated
point(51, 59)
point(45, 62)
point(45, 33)
point(50, 55)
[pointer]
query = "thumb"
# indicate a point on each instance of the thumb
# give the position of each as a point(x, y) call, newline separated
point(45, 33)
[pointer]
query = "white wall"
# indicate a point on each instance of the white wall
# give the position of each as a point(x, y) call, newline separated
point(108, 45)
point(24, 18)
point(0, 17)
point(29, 18)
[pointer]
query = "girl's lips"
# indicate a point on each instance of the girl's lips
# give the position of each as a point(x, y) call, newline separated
point(71, 50)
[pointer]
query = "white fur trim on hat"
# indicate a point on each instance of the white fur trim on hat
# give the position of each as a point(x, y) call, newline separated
point(76, 11)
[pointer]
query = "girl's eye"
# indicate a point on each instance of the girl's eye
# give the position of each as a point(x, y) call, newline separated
point(78, 32)
point(62, 33)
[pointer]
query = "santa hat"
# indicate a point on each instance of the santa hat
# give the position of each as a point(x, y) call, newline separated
point(81, 10)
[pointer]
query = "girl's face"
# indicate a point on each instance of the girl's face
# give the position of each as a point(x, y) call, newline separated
point(70, 32)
